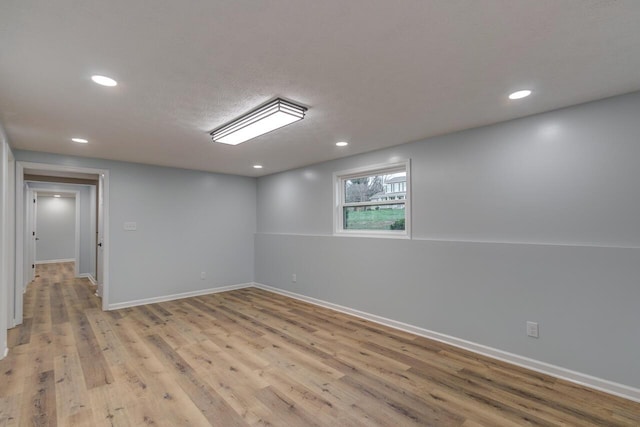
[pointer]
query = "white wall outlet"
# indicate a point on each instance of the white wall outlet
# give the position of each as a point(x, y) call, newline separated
point(203, 275)
point(532, 329)
point(130, 226)
point(294, 278)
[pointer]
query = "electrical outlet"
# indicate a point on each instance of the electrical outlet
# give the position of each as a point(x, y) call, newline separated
point(294, 278)
point(202, 275)
point(130, 226)
point(532, 329)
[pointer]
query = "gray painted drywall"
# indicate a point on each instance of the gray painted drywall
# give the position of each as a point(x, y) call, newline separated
point(187, 222)
point(55, 228)
point(87, 202)
point(532, 219)
point(568, 176)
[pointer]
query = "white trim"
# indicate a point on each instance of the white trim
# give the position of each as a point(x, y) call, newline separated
point(7, 236)
point(579, 378)
point(76, 266)
point(6, 352)
point(370, 169)
point(338, 197)
point(268, 233)
point(506, 242)
point(29, 242)
point(378, 234)
point(5, 248)
point(54, 261)
point(489, 242)
point(88, 276)
point(105, 239)
point(182, 295)
point(20, 167)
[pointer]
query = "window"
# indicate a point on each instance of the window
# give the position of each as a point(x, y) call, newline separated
point(373, 201)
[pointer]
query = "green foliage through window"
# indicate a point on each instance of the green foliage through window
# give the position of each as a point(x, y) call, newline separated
point(398, 225)
point(373, 218)
point(374, 200)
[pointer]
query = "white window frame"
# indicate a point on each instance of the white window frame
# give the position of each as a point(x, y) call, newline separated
point(339, 197)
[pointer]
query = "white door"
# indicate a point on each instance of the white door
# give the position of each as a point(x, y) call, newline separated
point(100, 239)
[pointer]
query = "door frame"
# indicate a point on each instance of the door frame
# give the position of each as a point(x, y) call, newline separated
point(7, 233)
point(100, 236)
point(20, 283)
point(29, 244)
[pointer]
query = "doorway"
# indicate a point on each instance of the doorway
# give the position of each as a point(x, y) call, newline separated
point(61, 226)
point(56, 228)
point(26, 174)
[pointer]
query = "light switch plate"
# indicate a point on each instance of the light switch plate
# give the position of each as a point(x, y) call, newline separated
point(130, 226)
point(532, 329)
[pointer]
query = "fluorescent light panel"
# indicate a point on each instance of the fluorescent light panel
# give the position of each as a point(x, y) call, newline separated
point(271, 116)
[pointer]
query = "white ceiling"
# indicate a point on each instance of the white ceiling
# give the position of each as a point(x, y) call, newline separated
point(375, 73)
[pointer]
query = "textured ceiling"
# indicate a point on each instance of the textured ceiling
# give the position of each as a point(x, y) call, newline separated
point(375, 73)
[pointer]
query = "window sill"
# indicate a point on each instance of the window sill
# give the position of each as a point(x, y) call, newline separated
point(381, 235)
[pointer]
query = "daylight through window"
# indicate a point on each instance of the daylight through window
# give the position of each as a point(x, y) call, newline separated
point(373, 201)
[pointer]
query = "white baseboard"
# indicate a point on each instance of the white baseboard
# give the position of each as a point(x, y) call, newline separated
point(606, 386)
point(90, 277)
point(55, 261)
point(164, 298)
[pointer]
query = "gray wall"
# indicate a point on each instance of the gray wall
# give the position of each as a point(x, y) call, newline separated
point(187, 222)
point(87, 202)
point(532, 219)
point(55, 228)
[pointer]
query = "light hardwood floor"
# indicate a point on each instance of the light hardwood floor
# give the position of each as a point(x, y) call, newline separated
point(250, 357)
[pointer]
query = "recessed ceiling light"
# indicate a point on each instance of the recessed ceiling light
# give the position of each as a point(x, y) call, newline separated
point(342, 144)
point(56, 195)
point(257, 166)
point(80, 140)
point(520, 94)
point(104, 80)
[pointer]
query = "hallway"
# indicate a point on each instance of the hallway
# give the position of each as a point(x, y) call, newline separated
point(54, 319)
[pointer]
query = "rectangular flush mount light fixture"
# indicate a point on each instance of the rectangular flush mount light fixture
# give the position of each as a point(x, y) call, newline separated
point(271, 116)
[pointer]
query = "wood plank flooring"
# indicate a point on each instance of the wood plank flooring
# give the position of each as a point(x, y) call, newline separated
point(250, 357)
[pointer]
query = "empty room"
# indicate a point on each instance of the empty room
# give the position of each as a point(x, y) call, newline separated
point(320, 213)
